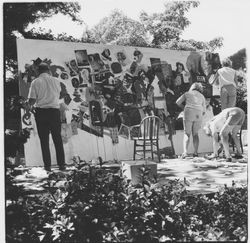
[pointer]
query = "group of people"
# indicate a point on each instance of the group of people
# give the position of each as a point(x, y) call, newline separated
point(45, 92)
point(227, 123)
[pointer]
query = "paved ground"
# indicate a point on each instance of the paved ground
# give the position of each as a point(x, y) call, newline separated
point(198, 174)
point(203, 176)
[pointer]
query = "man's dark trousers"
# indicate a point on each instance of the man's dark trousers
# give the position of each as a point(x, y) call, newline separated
point(48, 121)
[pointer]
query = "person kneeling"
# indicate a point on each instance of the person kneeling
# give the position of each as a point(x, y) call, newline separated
point(230, 120)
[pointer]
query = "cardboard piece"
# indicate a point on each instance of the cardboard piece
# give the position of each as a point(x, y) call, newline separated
point(131, 169)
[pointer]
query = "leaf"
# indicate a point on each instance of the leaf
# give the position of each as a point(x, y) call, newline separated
point(48, 226)
point(57, 235)
point(41, 237)
point(124, 195)
point(147, 188)
point(70, 225)
point(164, 238)
point(113, 224)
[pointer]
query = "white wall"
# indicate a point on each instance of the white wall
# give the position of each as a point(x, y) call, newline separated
point(90, 147)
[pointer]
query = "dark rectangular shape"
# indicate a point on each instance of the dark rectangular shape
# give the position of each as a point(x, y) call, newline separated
point(81, 58)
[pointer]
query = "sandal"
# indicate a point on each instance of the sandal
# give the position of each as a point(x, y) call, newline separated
point(212, 156)
point(237, 156)
point(195, 155)
point(184, 156)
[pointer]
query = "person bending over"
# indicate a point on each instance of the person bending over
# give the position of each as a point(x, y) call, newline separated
point(230, 120)
point(44, 95)
point(194, 109)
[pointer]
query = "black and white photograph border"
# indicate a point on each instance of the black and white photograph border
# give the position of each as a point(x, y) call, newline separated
point(203, 176)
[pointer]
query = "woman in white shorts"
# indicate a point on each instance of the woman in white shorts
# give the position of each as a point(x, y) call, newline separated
point(194, 109)
point(230, 120)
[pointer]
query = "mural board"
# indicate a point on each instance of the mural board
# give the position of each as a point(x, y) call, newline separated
point(107, 90)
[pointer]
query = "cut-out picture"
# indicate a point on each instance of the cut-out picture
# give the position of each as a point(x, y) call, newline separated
point(137, 56)
point(73, 72)
point(166, 70)
point(57, 70)
point(95, 62)
point(77, 96)
point(81, 58)
point(181, 77)
point(67, 99)
point(75, 82)
point(99, 78)
point(62, 75)
point(122, 58)
point(85, 74)
point(156, 64)
point(195, 67)
point(64, 91)
point(127, 81)
point(103, 77)
point(106, 55)
point(95, 113)
point(116, 68)
point(133, 67)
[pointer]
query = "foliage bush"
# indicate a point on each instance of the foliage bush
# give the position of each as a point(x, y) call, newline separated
point(241, 98)
point(93, 204)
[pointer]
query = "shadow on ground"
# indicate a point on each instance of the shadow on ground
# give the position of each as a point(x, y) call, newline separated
point(198, 174)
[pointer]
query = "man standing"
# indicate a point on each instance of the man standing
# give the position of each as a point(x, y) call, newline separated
point(44, 95)
point(228, 121)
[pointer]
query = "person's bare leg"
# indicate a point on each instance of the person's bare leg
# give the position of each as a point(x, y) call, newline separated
point(236, 140)
point(186, 140)
point(186, 137)
point(216, 146)
point(195, 131)
point(196, 142)
point(224, 139)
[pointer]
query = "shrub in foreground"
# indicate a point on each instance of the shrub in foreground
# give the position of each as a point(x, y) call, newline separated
point(92, 204)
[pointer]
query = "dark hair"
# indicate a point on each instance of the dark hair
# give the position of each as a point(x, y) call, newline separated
point(43, 68)
point(137, 53)
point(179, 63)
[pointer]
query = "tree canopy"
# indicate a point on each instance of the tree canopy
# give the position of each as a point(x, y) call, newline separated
point(192, 45)
point(17, 17)
point(239, 59)
point(118, 29)
point(170, 24)
point(161, 30)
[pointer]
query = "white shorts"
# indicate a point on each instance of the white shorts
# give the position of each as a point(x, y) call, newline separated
point(192, 120)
